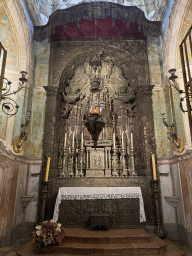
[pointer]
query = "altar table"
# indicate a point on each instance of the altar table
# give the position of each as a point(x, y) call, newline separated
point(84, 193)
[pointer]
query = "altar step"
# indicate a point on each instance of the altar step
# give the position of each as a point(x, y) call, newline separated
point(115, 242)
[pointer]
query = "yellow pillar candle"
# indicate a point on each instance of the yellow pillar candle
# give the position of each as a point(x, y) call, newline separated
point(47, 168)
point(154, 167)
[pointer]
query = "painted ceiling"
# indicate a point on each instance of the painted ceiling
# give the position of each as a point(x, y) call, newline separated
point(47, 7)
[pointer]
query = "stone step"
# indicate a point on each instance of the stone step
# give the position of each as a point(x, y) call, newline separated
point(103, 237)
point(153, 246)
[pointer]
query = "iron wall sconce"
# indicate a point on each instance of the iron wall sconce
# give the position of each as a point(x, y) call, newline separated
point(10, 106)
point(172, 127)
point(19, 140)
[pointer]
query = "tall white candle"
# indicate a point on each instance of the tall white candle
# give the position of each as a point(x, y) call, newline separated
point(65, 142)
point(132, 140)
point(82, 140)
point(114, 140)
point(73, 140)
point(122, 140)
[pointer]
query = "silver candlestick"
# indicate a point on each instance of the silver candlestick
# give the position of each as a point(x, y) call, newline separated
point(124, 173)
point(71, 174)
point(62, 174)
point(132, 172)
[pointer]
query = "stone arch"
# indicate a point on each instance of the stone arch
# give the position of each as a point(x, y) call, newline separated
point(176, 20)
point(19, 24)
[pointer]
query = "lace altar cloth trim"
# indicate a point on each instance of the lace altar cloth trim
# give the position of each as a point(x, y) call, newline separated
point(90, 193)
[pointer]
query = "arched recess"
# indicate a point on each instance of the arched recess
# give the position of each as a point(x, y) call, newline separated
point(176, 20)
point(134, 70)
point(129, 59)
point(20, 30)
point(172, 57)
point(7, 192)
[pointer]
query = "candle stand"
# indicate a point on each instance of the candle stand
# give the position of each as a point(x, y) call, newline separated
point(124, 173)
point(71, 164)
point(159, 230)
point(45, 190)
point(81, 163)
point(132, 172)
point(114, 162)
point(62, 174)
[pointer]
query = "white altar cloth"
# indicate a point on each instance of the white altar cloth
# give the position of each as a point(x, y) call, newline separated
point(84, 193)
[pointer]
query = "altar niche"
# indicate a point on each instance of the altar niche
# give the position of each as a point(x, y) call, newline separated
point(97, 111)
point(104, 124)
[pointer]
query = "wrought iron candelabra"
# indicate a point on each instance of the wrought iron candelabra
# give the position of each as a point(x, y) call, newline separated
point(10, 106)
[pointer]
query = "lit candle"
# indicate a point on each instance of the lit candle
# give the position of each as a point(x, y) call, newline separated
point(114, 140)
point(47, 168)
point(65, 142)
point(132, 140)
point(82, 140)
point(73, 140)
point(122, 140)
point(154, 167)
point(69, 150)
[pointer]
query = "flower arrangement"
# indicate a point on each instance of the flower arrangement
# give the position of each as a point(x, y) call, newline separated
point(48, 233)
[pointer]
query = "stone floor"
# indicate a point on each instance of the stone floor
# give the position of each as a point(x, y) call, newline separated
point(11, 251)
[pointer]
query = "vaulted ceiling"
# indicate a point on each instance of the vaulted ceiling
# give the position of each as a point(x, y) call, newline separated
point(149, 7)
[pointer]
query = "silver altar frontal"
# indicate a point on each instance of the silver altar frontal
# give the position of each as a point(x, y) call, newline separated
point(90, 193)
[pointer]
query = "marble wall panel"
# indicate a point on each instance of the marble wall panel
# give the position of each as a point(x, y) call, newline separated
point(178, 193)
point(33, 189)
point(166, 190)
point(185, 167)
point(3, 124)
point(21, 191)
point(186, 178)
